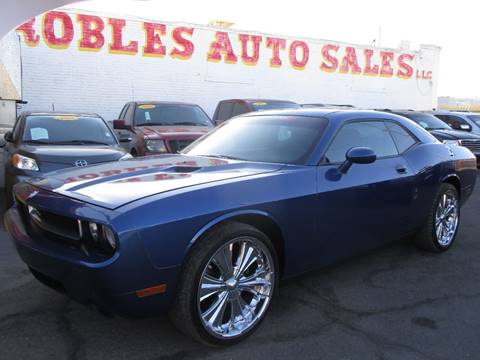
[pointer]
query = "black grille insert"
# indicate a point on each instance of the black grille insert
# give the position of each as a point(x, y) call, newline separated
point(472, 145)
point(178, 145)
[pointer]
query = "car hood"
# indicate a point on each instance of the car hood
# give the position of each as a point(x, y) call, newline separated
point(68, 154)
point(115, 184)
point(447, 134)
point(173, 131)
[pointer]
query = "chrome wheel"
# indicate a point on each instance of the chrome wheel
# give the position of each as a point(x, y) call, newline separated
point(235, 287)
point(446, 218)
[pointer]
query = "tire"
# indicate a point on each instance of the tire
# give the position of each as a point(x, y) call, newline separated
point(428, 238)
point(190, 314)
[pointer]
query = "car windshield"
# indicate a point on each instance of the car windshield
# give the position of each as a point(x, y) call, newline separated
point(170, 114)
point(67, 129)
point(428, 122)
point(475, 119)
point(277, 139)
point(273, 105)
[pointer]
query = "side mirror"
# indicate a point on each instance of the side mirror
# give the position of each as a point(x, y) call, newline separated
point(119, 124)
point(8, 136)
point(357, 155)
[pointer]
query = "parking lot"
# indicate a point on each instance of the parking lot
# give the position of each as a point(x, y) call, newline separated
point(395, 303)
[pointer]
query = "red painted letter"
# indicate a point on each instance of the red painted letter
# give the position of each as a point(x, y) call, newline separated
point(187, 45)
point(405, 70)
point(220, 46)
point(276, 45)
point(299, 64)
point(369, 69)
point(256, 40)
point(117, 39)
point(92, 38)
point(332, 64)
point(30, 36)
point(387, 58)
point(153, 41)
point(49, 35)
point(350, 62)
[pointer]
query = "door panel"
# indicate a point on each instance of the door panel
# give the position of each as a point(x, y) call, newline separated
point(364, 208)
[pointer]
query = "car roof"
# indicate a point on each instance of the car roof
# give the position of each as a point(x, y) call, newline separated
point(328, 113)
point(251, 100)
point(163, 102)
point(58, 113)
point(458, 113)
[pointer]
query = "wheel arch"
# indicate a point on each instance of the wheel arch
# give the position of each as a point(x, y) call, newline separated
point(258, 219)
point(454, 180)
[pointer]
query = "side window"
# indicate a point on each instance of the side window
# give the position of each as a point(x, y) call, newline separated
point(225, 111)
point(372, 134)
point(129, 114)
point(457, 122)
point(239, 108)
point(401, 137)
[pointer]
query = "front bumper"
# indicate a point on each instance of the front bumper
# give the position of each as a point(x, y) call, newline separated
point(109, 285)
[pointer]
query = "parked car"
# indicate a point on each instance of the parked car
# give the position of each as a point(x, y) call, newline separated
point(442, 131)
point(41, 142)
point(208, 234)
point(226, 109)
point(161, 127)
point(463, 121)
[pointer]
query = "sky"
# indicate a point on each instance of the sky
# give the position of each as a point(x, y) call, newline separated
point(452, 25)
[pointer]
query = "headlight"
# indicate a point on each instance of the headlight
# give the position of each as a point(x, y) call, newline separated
point(109, 237)
point(24, 163)
point(103, 237)
point(452, 142)
point(93, 230)
point(156, 146)
point(126, 157)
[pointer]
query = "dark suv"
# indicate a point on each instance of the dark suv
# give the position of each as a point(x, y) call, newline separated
point(464, 121)
point(156, 127)
point(442, 131)
point(227, 109)
point(42, 142)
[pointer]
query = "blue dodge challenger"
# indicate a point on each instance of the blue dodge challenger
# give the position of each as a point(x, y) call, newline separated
point(207, 234)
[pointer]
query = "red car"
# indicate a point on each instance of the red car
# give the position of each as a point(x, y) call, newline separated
point(156, 127)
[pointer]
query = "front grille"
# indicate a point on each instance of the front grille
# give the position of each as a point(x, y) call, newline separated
point(472, 145)
point(178, 145)
point(54, 226)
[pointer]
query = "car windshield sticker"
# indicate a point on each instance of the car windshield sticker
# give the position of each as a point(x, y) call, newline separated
point(66, 118)
point(38, 133)
point(147, 116)
point(423, 124)
point(284, 133)
point(147, 106)
point(259, 103)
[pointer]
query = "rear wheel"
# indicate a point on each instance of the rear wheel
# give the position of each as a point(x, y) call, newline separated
point(441, 227)
point(227, 285)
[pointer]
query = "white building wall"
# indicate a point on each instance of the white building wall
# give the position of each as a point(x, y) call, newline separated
point(73, 80)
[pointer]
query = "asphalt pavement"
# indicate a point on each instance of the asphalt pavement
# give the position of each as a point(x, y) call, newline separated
point(394, 303)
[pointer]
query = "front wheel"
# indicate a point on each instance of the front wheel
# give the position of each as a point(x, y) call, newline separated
point(441, 227)
point(226, 285)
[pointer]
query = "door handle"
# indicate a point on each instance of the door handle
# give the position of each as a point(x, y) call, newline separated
point(401, 169)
